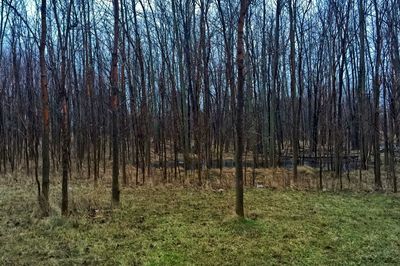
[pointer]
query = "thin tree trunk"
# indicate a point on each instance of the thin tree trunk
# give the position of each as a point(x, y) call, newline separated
point(114, 107)
point(244, 5)
point(44, 201)
point(295, 140)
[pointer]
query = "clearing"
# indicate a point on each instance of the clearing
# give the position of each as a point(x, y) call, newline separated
point(169, 225)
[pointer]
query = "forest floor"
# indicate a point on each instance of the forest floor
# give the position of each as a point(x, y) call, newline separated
point(169, 225)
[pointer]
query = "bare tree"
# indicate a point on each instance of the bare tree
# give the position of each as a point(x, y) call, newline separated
point(244, 5)
point(114, 105)
point(295, 140)
point(45, 112)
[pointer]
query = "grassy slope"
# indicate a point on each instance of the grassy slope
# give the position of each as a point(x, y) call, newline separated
point(161, 226)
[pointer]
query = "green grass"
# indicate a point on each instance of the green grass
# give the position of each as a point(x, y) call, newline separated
point(181, 226)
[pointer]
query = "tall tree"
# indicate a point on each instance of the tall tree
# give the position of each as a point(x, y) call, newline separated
point(244, 5)
point(114, 106)
point(274, 93)
point(361, 86)
point(44, 200)
point(377, 84)
point(295, 140)
point(63, 41)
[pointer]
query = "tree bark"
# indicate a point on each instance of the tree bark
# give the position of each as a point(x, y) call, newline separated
point(244, 5)
point(114, 107)
point(377, 84)
point(44, 201)
point(295, 140)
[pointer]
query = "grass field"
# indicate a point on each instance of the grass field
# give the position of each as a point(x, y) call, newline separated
point(184, 226)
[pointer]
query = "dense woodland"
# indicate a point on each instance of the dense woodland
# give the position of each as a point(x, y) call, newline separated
point(178, 86)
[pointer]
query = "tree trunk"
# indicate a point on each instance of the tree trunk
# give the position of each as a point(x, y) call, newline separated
point(44, 199)
point(295, 140)
point(244, 4)
point(114, 107)
point(377, 84)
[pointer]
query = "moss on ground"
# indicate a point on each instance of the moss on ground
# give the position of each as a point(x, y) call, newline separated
point(185, 226)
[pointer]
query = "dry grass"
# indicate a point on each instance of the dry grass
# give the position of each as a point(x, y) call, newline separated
point(275, 178)
point(176, 224)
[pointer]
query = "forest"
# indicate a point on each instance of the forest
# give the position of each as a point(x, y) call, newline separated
point(199, 132)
